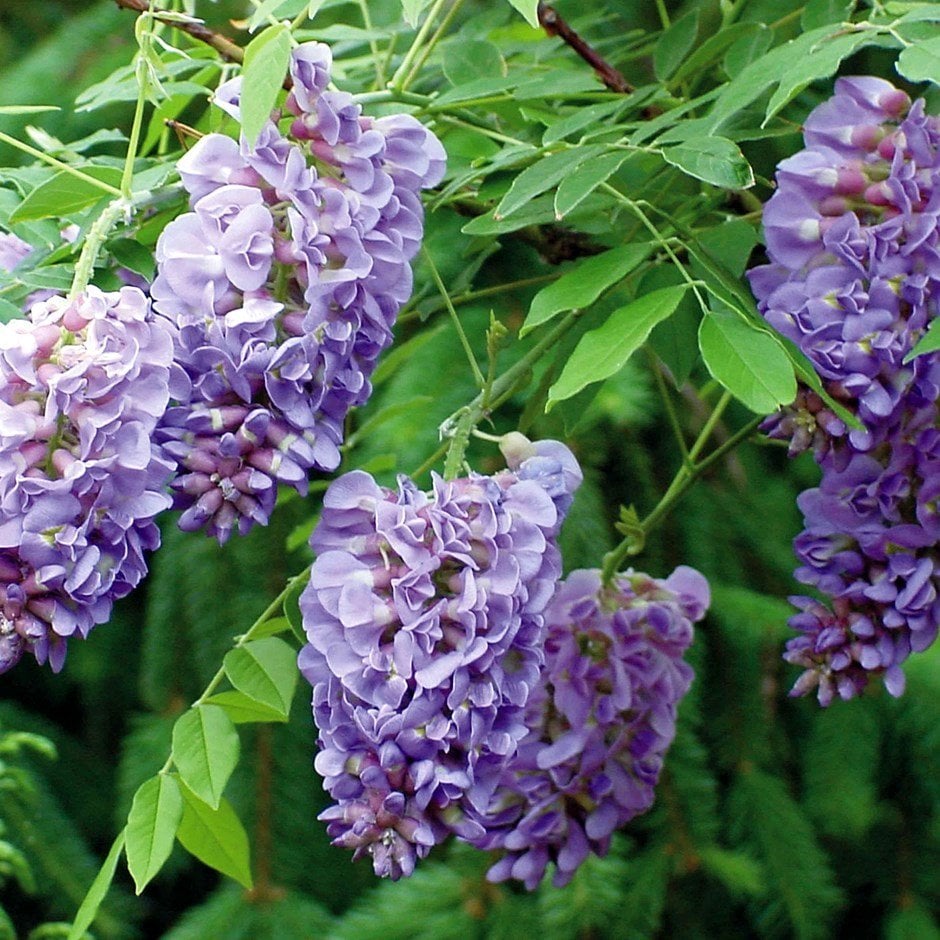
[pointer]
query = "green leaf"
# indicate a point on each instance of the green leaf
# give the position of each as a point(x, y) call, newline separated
point(604, 351)
point(750, 363)
point(151, 827)
point(281, 9)
point(267, 57)
point(53, 277)
point(921, 62)
point(205, 750)
point(583, 283)
point(529, 9)
point(412, 9)
point(730, 244)
point(576, 187)
point(708, 51)
point(86, 914)
point(65, 193)
point(133, 256)
point(215, 836)
point(292, 608)
point(274, 625)
point(746, 49)
point(675, 340)
point(471, 60)
point(928, 343)
point(537, 212)
point(791, 65)
point(818, 13)
point(27, 108)
point(714, 160)
point(557, 83)
point(536, 179)
point(479, 88)
point(673, 46)
point(819, 61)
point(589, 116)
point(9, 311)
point(265, 670)
point(242, 709)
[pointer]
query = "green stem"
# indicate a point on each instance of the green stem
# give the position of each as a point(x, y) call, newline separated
point(473, 295)
point(505, 385)
point(660, 239)
point(128, 175)
point(432, 42)
point(373, 45)
point(399, 82)
point(431, 461)
point(687, 474)
point(390, 94)
point(663, 14)
point(96, 237)
point(477, 374)
point(480, 129)
point(246, 637)
point(249, 635)
point(458, 445)
point(668, 404)
point(59, 165)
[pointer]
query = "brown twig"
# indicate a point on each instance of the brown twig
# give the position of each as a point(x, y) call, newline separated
point(229, 50)
point(553, 24)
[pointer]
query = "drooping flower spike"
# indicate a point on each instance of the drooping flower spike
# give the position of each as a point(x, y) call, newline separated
point(283, 284)
point(853, 236)
point(424, 615)
point(83, 383)
point(600, 721)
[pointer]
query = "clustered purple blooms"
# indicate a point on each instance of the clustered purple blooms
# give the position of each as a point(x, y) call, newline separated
point(83, 383)
point(284, 283)
point(852, 233)
point(600, 721)
point(424, 615)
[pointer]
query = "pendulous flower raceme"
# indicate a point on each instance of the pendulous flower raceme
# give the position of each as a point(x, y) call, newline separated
point(283, 284)
point(83, 383)
point(424, 616)
point(852, 233)
point(600, 720)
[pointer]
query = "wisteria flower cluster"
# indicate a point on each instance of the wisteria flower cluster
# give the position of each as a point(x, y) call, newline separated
point(283, 284)
point(600, 720)
point(424, 616)
point(852, 233)
point(83, 383)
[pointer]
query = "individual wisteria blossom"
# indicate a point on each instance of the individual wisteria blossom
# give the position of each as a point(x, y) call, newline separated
point(83, 383)
point(284, 282)
point(600, 721)
point(424, 616)
point(852, 233)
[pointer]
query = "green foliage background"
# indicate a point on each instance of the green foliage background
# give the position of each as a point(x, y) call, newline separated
point(773, 819)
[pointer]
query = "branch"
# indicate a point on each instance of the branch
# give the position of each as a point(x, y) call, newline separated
point(226, 48)
point(553, 24)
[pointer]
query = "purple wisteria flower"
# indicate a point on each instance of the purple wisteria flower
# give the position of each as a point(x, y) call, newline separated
point(600, 722)
point(852, 233)
point(83, 383)
point(283, 285)
point(424, 615)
